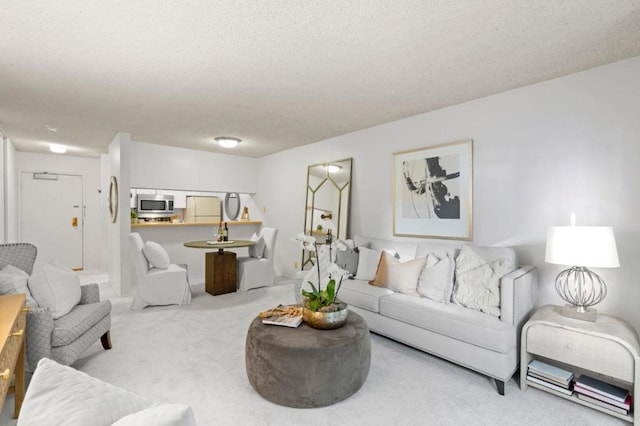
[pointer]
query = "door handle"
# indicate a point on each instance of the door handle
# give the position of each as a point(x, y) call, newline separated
point(74, 222)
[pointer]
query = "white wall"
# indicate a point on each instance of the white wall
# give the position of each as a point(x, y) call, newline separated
point(10, 193)
point(89, 168)
point(540, 153)
point(165, 167)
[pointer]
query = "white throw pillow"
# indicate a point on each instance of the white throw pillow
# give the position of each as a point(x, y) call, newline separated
point(14, 280)
point(61, 395)
point(436, 278)
point(156, 255)
point(55, 288)
point(478, 282)
point(401, 277)
point(257, 251)
point(160, 415)
point(368, 260)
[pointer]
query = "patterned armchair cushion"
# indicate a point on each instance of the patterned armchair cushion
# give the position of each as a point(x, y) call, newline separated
point(77, 322)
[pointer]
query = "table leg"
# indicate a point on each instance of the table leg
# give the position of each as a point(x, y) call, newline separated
point(220, 272)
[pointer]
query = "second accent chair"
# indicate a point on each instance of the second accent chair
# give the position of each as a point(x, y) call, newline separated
point(158, 282)
point(256, 270)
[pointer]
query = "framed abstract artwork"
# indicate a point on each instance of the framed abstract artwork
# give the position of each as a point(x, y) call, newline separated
point(432, 191)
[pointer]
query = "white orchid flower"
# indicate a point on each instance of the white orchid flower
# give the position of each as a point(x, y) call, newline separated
point(337, 273)
point(307, 242)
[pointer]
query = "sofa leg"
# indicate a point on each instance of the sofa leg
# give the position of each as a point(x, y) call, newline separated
point(500, 385)
point(106, 340)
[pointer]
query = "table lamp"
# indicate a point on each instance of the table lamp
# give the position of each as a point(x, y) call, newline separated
point(581, 247)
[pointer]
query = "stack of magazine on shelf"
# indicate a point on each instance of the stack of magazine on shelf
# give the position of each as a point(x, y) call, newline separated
point(603, 394)
point(550, 376)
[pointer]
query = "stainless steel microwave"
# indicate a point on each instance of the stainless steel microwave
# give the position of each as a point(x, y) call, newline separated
point(153, 206)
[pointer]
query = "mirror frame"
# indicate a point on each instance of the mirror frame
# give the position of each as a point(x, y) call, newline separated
point(232, 214)
point(340, 214)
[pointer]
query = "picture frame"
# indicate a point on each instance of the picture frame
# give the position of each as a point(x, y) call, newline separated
point(433, 191)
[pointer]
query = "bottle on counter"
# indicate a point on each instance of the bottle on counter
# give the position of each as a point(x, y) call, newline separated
point(220, 232)
point(225, 236)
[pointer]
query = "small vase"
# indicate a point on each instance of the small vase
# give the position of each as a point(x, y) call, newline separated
point(325, 320)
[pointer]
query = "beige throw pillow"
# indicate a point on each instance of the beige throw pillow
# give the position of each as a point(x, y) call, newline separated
point(401, 277)
point(436, 279)
point(478, 282)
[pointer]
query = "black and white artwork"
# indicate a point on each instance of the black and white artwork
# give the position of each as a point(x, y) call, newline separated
point(432, 191)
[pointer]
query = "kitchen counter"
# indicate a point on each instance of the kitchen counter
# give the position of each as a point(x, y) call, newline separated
point(170, 224)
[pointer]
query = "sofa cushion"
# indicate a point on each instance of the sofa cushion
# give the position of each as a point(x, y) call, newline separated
point(367, 263)
point(347, 257)
point(55, 288)
point(78, 321)
point(160, 415)
point(450, 320)
point(404, 250)
point(478, 282)
point(398, 276)
point(156, 255)
point(436, 279)
point(61, 395)
point(361, 294)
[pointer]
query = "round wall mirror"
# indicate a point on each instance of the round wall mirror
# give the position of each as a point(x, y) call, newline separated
point(232, 205)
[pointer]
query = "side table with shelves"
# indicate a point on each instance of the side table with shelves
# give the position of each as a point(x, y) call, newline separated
point(608, 349)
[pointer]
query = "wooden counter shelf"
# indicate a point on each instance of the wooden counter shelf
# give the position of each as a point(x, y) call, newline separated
point(169, 224)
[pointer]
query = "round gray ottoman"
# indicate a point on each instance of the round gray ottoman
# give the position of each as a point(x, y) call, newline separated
point(304, 367)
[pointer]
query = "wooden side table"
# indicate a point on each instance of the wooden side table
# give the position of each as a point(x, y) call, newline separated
point(13, 321)
point(608, 349)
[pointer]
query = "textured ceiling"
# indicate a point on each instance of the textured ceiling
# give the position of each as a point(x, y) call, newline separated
point(281, 73)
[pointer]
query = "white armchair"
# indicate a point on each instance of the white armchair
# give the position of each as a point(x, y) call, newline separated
point(256, 272)
point(157, 286)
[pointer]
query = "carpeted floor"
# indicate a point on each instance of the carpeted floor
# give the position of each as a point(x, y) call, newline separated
point(195, 355)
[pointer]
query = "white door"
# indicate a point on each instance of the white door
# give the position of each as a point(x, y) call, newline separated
point(51, 217)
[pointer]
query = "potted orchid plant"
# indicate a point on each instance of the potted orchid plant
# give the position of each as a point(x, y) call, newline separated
point(323, 300)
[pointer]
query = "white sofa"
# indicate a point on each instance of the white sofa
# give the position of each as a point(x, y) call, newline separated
point(476, 340)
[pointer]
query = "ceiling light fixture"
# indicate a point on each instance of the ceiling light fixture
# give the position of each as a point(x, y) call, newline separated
point(227, 142)
point(57, 148)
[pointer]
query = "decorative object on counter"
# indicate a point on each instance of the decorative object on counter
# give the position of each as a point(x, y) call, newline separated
point(586, 246)
point(245, 214)
point(322, 309)
point(134, 216)
point(225, 235)
point(113, 199)
point(232, 205)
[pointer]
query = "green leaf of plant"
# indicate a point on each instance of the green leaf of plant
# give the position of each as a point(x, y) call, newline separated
point(314, 304)
point(331, 291)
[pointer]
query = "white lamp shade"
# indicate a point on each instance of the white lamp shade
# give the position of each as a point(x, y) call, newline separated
point(590, 246)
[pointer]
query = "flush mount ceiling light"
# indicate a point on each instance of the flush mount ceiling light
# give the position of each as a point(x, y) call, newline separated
point(57, 148)
point(227, 142)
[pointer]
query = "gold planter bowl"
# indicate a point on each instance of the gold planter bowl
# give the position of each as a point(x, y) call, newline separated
point(325, 320)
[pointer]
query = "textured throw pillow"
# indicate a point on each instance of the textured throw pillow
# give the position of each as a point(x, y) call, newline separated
point(401, 277)
point(367, 263)
point(156, 255)
point(55, 288)
point(436, 278)
point(347, 259)
point(160, 415)
point(14, 280)
point(478, 282)
point(61, 395)
point(257, 251)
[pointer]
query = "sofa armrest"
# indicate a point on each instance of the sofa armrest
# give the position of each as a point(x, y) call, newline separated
point(39, 330)
point(518, 295)
point(90, 293)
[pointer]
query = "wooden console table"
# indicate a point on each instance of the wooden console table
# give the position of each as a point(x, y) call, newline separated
point(220, 267)
point(13, 316)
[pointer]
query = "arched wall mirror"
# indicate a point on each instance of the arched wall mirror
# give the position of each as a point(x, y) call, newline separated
point(232, 205)
point(327, 202)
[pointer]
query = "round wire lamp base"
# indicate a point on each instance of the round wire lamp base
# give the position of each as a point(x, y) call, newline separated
point(581, 288)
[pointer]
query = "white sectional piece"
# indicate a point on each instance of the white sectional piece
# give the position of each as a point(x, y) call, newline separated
point(476, 340)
